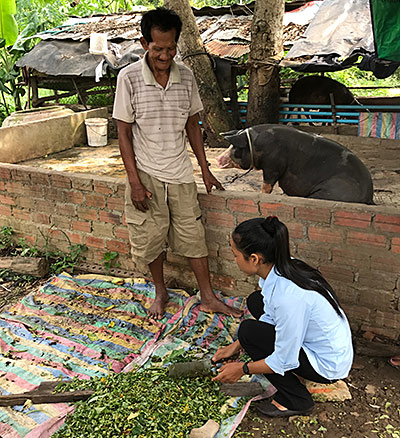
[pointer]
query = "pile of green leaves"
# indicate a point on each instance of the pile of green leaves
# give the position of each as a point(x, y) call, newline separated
point(146, 403)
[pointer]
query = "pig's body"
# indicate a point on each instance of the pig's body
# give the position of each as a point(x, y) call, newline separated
point(317, 90)
point(304, 164)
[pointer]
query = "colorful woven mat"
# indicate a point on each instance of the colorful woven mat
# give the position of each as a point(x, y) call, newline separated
point(85, 326)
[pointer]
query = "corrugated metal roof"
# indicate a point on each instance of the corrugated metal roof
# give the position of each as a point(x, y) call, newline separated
point(224, 49)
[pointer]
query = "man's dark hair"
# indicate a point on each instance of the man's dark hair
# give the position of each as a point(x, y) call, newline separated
point(163, 19)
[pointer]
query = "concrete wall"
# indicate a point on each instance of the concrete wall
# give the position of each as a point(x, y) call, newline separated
point(42, 137)
point(357, 247)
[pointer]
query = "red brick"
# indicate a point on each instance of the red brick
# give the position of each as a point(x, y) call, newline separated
point(396, 245)
point(40, 218)
point(280, 210)
point(42, 179)
point(376, 299)
point(357, 313)
point(60, 181)
point(95, 201)
point(389, 228)
point(222, 282)
point(359, 257)
point(221, 219)
point(6, 200)
point(5, 173)
point(387, 223)
point(380, 331)
point(225, 253)
point(21, 214)
point(75, 238)
point(388, 319)
point(44, 206)
point(116, 204)
point(20, 175)
point(121, 233)
point(74, 197)
point(243, 205)
point(352, 219)
point(296, 231)
point(81, 226)
point(326, 235)
point(94, 242)
point(57, 234)
point(2, 185)
point(337, 273)
point(35, 191)
point(358, 238)
point(16, 187)
point(213, 202)
point(66, 209)
point(62, 222)
point(109, 218)
point(319, 215)
point(312, 253)
point(115, 245)
point(24, 202)
point(387, 262)
point(102, 187)
point(55, 194)
point(83, 184)
point(89, 214)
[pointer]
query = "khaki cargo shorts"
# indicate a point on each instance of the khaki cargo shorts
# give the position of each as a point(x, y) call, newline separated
point(173, 219)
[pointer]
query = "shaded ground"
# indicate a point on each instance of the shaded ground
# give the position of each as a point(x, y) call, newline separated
point(373, 412)
point(106, 160)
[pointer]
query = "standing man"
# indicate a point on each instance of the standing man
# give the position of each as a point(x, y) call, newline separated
point(156, 101)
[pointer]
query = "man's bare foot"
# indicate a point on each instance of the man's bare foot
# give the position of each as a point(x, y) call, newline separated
point(218, 306)
point(156, 310)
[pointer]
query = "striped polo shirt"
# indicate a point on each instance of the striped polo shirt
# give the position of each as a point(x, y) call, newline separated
point(158, 116)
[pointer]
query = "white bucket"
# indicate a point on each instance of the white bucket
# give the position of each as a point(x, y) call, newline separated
point(98, 44)
point(96, 130)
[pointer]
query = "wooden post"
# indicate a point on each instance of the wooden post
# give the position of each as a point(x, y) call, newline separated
point(333, 109)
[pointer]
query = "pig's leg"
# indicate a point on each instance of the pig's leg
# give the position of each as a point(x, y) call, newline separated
point(267, 188)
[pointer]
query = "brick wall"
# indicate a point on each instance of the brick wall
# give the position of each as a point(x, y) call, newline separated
point(357, 247)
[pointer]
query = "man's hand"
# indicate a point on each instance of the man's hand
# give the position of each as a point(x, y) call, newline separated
point(229, 373)
point(210, 181)
point(139, 196)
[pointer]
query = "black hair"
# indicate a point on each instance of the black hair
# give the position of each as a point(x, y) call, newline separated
point(163, 19)
point(270, 238)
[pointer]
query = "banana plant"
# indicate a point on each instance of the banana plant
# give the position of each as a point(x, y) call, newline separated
point(8, 24)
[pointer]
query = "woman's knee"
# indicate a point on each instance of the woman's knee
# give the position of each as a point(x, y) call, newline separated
point(255, 304)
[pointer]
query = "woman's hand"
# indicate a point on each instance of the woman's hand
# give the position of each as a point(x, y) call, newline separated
point(229, 373)
point(226, 352)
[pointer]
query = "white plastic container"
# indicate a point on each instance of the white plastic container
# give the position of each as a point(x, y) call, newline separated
point(96, 130)
point(98, 44)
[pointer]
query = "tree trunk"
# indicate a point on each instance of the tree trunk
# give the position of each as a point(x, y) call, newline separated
point(191, 49)
point(266, 50)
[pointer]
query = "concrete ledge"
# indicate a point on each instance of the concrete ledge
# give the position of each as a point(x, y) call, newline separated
point(39, 138)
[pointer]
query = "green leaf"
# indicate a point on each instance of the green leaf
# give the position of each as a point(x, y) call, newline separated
point(8, 24)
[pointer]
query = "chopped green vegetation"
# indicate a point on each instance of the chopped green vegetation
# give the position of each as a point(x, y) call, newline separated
point(142, 404)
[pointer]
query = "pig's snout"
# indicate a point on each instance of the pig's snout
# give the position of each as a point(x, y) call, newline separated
point(224, 160)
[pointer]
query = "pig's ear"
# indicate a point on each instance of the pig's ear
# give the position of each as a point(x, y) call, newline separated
point(237, 139)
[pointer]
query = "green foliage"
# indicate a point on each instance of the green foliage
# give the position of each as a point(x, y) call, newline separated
point(8, 24)
point(60, 261)
point(109, 260)
point(6, 241)
point(144, 403)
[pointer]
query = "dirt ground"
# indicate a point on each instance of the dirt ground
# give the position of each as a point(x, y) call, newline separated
point(374, 410)
point(106, 160)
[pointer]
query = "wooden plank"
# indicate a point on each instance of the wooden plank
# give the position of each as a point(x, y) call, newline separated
point(36, 266)
point(244, 389)
point(38, 397)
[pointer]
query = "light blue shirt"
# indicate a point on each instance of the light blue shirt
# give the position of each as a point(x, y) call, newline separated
point(305, 319)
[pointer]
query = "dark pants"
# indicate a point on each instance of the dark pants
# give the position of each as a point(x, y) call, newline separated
point(258, 339)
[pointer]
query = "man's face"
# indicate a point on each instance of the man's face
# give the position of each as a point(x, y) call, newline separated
point(161, 50)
